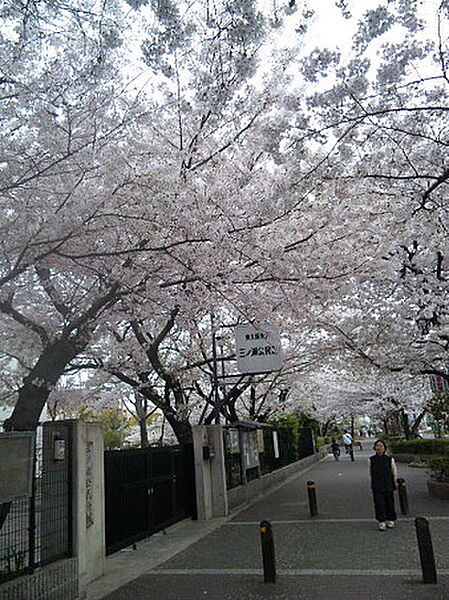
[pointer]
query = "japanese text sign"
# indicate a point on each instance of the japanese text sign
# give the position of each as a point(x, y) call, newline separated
point(258, 349)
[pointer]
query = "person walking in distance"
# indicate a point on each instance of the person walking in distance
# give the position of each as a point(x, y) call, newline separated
point(383, 475)
point(346, 438)
point(335, 447)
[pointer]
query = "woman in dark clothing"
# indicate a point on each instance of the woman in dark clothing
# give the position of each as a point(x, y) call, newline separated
point(383, 473)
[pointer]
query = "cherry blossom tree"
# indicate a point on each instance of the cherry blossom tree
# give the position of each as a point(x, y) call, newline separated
point(381, 118)
point(309, 188)
point(76, 179)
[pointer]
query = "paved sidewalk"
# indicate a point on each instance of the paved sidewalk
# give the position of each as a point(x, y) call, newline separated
point(339, 553)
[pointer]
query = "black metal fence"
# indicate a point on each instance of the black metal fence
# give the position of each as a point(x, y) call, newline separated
point(251, 452)
point(271, 458)
point(36, 530)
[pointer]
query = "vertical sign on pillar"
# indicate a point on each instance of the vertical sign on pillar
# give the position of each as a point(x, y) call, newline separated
point(275, 444)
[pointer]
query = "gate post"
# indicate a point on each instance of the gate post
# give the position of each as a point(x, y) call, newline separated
point(76, 447)
point(88, 500)
point(210, 473)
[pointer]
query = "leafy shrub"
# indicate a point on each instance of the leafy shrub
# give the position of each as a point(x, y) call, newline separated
point(439, 469)
point(435, 446)
point(322, 441)
point(295, 422)
point(393, 438)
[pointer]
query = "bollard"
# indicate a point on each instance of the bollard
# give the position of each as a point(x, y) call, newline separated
point(311, 490)
point(351, 453)
point(403, 499)
point(429, 572)
point(267, 541)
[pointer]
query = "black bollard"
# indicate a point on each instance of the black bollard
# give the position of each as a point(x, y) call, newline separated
point(268, 558)
point(429, 572)
point(311, 490)
point(351, 453)
point(403, 499)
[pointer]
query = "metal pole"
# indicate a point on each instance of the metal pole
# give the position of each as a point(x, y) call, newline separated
point(403, 499)
point(223, 370)
point(429, 572)
point(268, 556)
point(215, 372)
point(311, 490)
point(32, 516)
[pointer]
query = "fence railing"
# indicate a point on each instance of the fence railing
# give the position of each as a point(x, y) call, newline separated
point(36, 530)
point(252, 451)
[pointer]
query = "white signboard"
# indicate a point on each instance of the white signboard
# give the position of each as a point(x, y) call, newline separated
point(276, 444)
point(233, 441)
point(258, 348)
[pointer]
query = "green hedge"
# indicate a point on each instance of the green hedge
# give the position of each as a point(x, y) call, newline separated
point(419, 447)
point(439, 469)
point(393, 438)
point(323, 441)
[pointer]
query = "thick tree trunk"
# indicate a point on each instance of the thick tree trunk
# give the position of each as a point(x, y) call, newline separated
point(144, 442)
point(141, 404)
point(181, 429)
point(325, 427)
point(38, 384)
point(406, 425)
point(161, 437)
point(35, 390)
point(416, 424)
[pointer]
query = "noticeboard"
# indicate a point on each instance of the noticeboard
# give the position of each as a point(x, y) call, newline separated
point(250, 449)
point(16, 465)
point(233, 443)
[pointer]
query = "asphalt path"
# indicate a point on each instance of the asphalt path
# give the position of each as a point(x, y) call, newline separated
point(339, 552)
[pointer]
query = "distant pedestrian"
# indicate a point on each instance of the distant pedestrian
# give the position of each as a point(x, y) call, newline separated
point(383, 475)
point(335, 448)
point(346, 438)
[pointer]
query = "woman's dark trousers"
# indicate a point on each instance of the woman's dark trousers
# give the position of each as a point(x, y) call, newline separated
point(384, 505)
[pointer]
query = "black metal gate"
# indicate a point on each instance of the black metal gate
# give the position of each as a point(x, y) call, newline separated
point(145, 491)
point(306, 445)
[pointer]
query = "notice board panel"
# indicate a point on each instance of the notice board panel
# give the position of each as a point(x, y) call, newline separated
point(16, 465)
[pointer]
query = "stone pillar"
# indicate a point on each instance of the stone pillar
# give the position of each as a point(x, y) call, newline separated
point(89, 520)
point(210, 473)
point(74, 450)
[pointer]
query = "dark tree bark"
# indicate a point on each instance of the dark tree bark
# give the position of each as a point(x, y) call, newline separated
point(144, 442)
point(38, 384)
point(406, 424)
point(416, 424)
point(181, 429)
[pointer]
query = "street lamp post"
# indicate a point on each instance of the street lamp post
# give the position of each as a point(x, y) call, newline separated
point(215, 372)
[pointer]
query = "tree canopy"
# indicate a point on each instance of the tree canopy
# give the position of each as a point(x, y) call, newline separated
point(170, 169)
